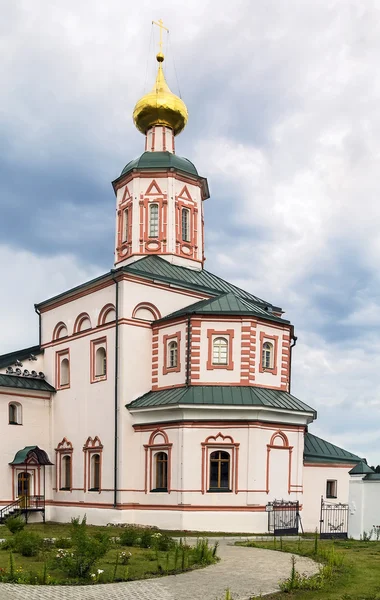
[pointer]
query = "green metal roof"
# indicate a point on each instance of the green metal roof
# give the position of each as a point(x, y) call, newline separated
point(361, 469)
point(218, 395)
point(9, 359)
point(22, 455)
point(25, 383)
point(372, 477)
point(160, 160)
point(225, 304)
point(157, 268)
point(317, 450)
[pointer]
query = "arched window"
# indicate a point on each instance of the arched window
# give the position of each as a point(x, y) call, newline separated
point(153, 220)
point(100, 362)
point(173, 354)
point(125, 226)
point(60, 331)
point(219, 351)
point(219, 470)
point(95, 473)
point(185, 225)
point(64, 372)
point(161, 460)
point(267, 356)
point(66, 473)
point(14, 413)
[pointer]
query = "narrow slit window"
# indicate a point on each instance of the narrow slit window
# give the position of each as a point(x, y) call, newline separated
point(267, 356)
point(220, 351)
point(125, 225)
point(64, 378)
point(100, 363)
point(95, 472)
point(153, 220)
point(66, 473)
point(185, 225)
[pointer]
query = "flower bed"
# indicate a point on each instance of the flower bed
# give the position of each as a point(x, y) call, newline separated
point(85, 556)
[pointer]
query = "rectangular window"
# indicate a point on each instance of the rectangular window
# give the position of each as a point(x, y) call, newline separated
point(62, 374)
point(331, 488)
point(153, 220)
point(98, 366)
point(185, 225)
point(125, 225)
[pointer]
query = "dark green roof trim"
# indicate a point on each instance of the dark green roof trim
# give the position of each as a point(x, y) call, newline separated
point(372, 477)
point(35, 452)
point(317, 450)
point(25, 383)
point(219, 395)
point(225, 305)
point(361, 469)
point(160, 160)
point(156, 268)
point(6, 360)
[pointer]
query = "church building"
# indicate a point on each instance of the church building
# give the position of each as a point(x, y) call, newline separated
point(159, 393)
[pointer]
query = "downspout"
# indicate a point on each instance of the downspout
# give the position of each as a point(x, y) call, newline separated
point(294, 341)
point(39, 324)
point(116, 395)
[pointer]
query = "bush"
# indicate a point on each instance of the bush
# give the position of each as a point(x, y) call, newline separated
point(146, 539)
point(15, 524)
point(129, 537)
point(28, 543)
point(63, 542)
point(162, 541)
point(85, 551)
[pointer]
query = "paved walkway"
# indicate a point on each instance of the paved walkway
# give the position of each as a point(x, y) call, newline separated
point(246, 571)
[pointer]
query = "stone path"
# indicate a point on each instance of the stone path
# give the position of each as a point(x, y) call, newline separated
point(246, 571)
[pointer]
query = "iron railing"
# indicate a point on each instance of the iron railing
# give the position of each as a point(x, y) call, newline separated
point(334, 520)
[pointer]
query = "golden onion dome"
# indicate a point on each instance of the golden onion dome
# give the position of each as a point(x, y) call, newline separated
point(160, 106)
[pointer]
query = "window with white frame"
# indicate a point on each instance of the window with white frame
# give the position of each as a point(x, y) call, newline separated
point(125, 225)
point(65, 472)
point(161, 467)
point(267, 356)
point(331, 488)
point(219, 471)
point(220, 351)
point(100, 362)
point(98, 359)
point(95, 473)
point(173, 354)
point(15, 413)
point(185, 225)
point(153, 220)
point(62, 369)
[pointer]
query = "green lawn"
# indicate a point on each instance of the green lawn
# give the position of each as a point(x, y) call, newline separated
point(150, 556)
point(357, 578)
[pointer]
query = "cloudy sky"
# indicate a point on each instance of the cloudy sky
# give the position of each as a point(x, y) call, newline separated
point(283, 99)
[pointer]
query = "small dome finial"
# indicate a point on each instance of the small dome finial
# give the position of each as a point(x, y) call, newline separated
point(160, 106)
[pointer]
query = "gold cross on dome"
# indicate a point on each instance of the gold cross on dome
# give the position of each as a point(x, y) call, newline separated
point(160, 24)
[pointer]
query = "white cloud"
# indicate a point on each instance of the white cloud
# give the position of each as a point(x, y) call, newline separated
point(28, 279)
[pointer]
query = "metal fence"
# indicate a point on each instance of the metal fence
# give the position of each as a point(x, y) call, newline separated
point(333, 523)
point(283, 517)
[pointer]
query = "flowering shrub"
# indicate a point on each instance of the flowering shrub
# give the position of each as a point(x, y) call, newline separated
point(86, 550)
point(125, 557)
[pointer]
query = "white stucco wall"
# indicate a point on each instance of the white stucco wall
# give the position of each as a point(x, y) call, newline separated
point(364, 506)
point(315, 478)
